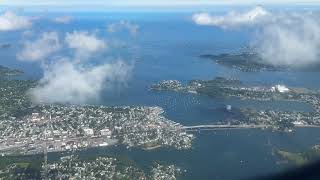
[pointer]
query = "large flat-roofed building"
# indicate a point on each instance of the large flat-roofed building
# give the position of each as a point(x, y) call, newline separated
point(88, 131)
point(105, 132)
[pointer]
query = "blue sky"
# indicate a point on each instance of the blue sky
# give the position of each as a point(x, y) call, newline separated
point(143, 5)
point(155, 3)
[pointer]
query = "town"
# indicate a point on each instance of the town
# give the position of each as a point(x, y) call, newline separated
point(73, 167)
point(27, 128)
point(84, 167)
point(55, 128)
point(232, 88)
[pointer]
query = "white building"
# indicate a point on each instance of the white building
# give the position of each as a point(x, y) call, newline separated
point(103, 144)
point(35, 117)
point(105, 132)
point(280, 88)
point(298, 123)
point(88, 131)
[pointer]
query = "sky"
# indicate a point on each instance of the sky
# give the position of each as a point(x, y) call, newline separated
point(141, 3)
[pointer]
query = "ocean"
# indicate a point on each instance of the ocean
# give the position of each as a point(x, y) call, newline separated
point(168, 46)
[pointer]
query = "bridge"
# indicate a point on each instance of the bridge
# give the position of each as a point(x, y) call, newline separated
point(229, 126)
point(221, 127)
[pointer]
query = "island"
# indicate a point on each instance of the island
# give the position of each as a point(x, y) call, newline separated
point(300, 158)
point(5, 71)
point(251, 61)
point(232, 88)
point(243, 61)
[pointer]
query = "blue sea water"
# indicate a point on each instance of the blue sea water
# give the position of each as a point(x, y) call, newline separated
point(167, 46)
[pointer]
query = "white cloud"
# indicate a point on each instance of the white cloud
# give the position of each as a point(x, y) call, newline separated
point(232, 19)
point(66, 82)
point(84, 43)
point(63, 19)
point(68, 79)
point(293, 44)
point(41, 48)
point(283, 38)
point(118, 26)
point(11, 22)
